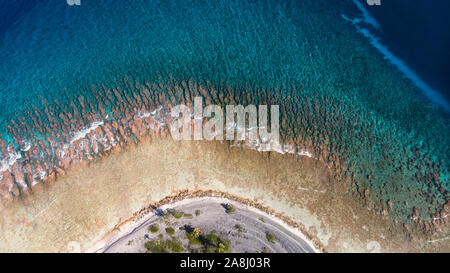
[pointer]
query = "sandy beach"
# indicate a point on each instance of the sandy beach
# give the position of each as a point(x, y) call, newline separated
point(93, 200)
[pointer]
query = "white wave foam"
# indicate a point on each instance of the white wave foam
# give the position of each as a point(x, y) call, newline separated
point(42, 174)
point(12, 157)
point(83, 132)
point(143, 114)
point(62, 153)
point(27, 146)
point(305, 153)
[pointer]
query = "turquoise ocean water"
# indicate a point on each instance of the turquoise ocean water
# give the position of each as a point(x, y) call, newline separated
point(339, 92)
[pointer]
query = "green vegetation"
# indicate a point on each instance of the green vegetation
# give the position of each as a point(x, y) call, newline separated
point(170, 230)
point(177, 214)
point(229, 208)
point(193, 240)
point(175, 245)
point(154, 228)
point(188, 215)
point(239, 228)
point(266, 250)
point(156, 247)
point(210, 243)
point(193, 237)
point(159, 246)
point(196, 232)
point(197, 212)
point(270, 237)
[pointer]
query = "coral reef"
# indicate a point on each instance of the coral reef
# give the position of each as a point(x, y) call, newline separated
point(340, 102)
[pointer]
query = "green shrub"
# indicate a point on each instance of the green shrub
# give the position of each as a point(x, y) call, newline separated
point(177, 214)
point(175, 245)
point(193, 240)
point(170, 230)
point(154, 228)
point(239, 228)
point(159, 246)
point(210, 243)
point(229, 208)
point(156, 247)
point(270, 237)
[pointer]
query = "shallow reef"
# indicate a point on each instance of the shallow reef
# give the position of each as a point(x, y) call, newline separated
point(79, 83)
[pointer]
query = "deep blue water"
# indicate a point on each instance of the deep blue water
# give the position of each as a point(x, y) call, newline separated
point(419, 32)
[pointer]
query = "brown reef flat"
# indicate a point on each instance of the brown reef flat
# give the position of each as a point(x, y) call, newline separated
point(92, 199)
